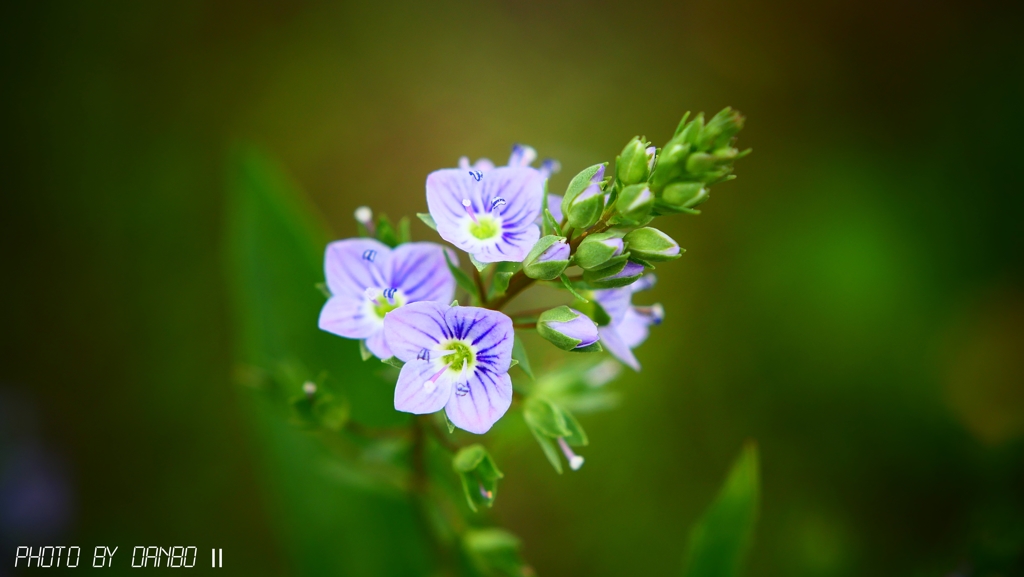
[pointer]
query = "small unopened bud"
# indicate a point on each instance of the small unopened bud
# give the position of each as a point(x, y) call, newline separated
point(585, 210)
point(309, 388)
point(651, 244)
point(671, 163)
point(633, 165)
point(614, 276)
point(566, 328)
point(596, 249)
point(575, 461)
point(684, 194)
point(634, 204)
point(720, 129)
point(547, 259)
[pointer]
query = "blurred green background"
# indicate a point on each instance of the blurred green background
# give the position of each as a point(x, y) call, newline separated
point(854, 302)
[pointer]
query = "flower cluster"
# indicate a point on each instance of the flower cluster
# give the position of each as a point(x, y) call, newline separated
point(594, 242)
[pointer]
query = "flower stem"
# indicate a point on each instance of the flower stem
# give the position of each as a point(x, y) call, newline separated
point(481, 292)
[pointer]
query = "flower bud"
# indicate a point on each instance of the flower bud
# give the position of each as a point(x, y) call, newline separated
point(634, 164)
point(618, 275)
point(634, 204)
point(479, 475)
point(568, 329)
point(586, 208)
point(684, 194)
point(596, 249)
point(671, 163)
point(547, 259)
point(720, 129)
point(651, 244)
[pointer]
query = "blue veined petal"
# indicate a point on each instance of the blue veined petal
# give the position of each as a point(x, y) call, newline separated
point(522, 155)
point(349, 317)
point(488, 332)
point(416, 327)
point(635, 326)
point(615, 302)
point(420, 271)
point(423, 387)
point(355, 264)
point(478, 399)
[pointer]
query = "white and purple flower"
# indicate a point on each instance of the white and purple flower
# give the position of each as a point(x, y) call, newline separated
point(456, 359)
point(367, 280)
point(629, 324)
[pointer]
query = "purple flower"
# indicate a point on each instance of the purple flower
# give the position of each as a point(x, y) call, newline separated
point(456, 358)
point(367, 280)
point(491, 215)
point(630, 324)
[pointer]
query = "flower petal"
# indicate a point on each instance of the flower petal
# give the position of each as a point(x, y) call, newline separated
point(479, 401)
point(634, 328)
point(555, 206)
point(420, 271)
point(612, 342)
point(348, 317)
point(488, 332)
point(356, 264)
point(414, 327)
point(615, 302)
point(416, 393)
point(378, 345)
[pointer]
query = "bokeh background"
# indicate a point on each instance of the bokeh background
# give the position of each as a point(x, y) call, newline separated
point(854, 302)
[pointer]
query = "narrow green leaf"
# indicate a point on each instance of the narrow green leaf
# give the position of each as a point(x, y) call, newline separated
point(551, 226)
point(519, 354)
point(448, 422)
point(363, 351)
point(512, 364)
point(427, 219)
point(568, 285)
point(322, 287)
point(549, 450)
point(462, 279)
point(720, 540)
point(499, 284)
point(404, 233)
point(386, 231)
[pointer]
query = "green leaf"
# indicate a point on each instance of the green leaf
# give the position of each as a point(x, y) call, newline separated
point(577, 436)
point(545, 418)
point(568, 285)
point(549, 449)
point(274, 250)
point(427, 219)
point(462, 279)
point(512, 364)
point(322, 287)
point(394, 362)
point(720, 540)
point(363, 351)
point(494, 552)
point(448, 423)
point(386, 231)
point(519, 354)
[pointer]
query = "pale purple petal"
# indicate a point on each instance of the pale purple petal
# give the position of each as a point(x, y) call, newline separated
point(550, 166)
point(488, 332)
point(416, 327)
point(420, 271)
point(349, 317)
point(522, 155)
point(635, 327)
point(631, 269)
point(418, 391)
point(612, 342)
point(477, 402)
point(643, 283)
point(557, 251)
point(355, 264)
point(555, 206)
point(378, 345)
point(615, 302)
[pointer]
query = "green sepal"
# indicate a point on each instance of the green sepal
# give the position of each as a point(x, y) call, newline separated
point(404, 231)
point(519, 354)
point(633, 205)
point(448, 423)
point(594, 347)
point(577, 437)
point(427, 219)
point(479, 475)
point(593, 252)
point(363, 351)
point(322, 287)
point(545, 418)
point(455, 303)
point(578, 183)
point(550, 452)
point(568, 286)
point(550, 226)
point(512, 363)
point(499, 284)
point(560, 314)
point(394, 362)
point(495, 552)
point(682, 124)
point(583, 214)
point(547, 270)
point(386, 231)
point(595, 311)
point(631, 166)
point(480, 266)
point(462, 279)
point(652, 245)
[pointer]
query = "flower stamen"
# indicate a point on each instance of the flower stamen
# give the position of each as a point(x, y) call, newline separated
point(575, 461)
point(476, 174)
point(469, 209)
point(497, 202)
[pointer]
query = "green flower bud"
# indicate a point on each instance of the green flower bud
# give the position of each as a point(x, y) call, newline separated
point(685, 194)
point(479, 475)
point(547, 259)
point(671, 162)
point(650, 244)
point(585, 210)
point(568, 329)
point(634, 164)
point(596, 249)
point(634, 204)
point(720, 129)
point(617, 275)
